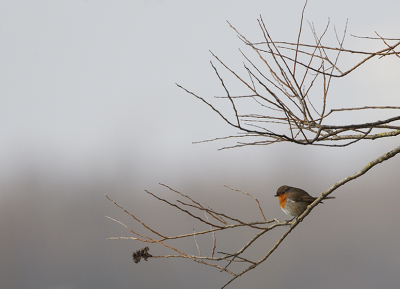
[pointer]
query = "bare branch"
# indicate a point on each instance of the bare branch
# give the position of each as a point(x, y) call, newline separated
point(286, 96)
point(324, 194)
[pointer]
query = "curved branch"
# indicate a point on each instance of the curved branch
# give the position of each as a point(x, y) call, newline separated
point(323, 195)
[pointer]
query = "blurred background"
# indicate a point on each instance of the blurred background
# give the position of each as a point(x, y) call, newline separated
point(89, 106)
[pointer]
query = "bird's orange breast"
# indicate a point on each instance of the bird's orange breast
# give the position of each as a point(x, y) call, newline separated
point(282, 200)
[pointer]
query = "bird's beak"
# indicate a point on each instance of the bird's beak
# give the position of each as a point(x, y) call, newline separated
point(275, 195)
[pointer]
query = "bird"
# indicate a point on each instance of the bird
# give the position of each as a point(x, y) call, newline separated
point(294, 201)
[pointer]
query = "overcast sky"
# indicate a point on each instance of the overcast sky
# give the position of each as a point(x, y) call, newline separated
point(89, 105)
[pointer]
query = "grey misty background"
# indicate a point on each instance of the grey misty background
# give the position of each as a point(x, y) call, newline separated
point(89, 107)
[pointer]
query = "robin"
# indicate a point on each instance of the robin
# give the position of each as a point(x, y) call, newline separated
point(294, 201)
